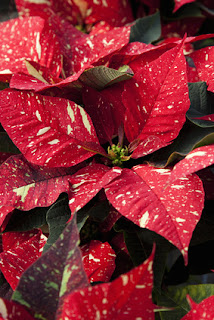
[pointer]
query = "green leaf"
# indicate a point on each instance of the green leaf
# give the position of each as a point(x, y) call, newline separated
point(6, 144)
point(27, 220)
point(147, 29)
point(190, 137)
point(57, 217)
point(101, 77)
point(175, 297)
point(201, 104)
point(204, 229)
point(139, 243)
point(55, 274)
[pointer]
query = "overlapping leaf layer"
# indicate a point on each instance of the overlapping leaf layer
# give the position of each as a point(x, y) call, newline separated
point(106, 159)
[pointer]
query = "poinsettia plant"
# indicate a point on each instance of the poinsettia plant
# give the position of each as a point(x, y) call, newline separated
point(107, 153)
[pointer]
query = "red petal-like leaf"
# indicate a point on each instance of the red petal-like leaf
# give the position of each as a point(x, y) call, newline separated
point(127, 297)
point(180, 3)
point(196, 160)
point(25, 186)
point(27, 39)
point(98, 260)
point(19, 255)
point(105, 110)
point(155, 110)
point(173, 213)
point(66, 9)
point(86, 51)
point(87, 182)
point(49, 131)
point(115, 12)
point(203, 60)
point(10, 310)
point(202, 311)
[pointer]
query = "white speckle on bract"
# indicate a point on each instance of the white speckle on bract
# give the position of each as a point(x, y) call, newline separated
point(150, 266)
point(196, 154)
point(170, 107)
point(98, 317)
point(5, 71)
point(55, 141)
point(91, 257)
point(48, 160)
point(116, 170)
point(42, 131)
point(38, 115)
point(69, 129)
point(125, 279)
point(140, 286)
point(3, 309)
point(143, 219)
point(76, 185)
point(23, 191)
point(70, 112)
point(195, 213)
point(119, 196)
point(177, 187)
point(85, 120)
point(162, 171)
point(39, 1)
point(38, 46)
point(180, 220)
point(91, 45)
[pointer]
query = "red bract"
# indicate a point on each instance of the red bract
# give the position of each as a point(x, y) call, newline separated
point(202, 311)
point(29, 186)
point(20, 250)
point(98, 260)
point(127, 297)
point(203, 60)
point(117, 13)
point(46, 8)
point(10, 310)
point(48, 131)
point(87, 182)
point(108, 114)
point(139, 195)
point(156, 101)
point(196, 160)
point(86, 51)
point(27, 39)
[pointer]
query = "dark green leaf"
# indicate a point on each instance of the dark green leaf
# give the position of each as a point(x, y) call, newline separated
point(201, 104)
point(204, 229)
point(190, 137)
point(57, 217)
point(176, 297)
point(139, 243)
point(101, 77)
point(6, 144)
point(27, 220)
point(56, 273)
point(148, 238)
point(147, 29)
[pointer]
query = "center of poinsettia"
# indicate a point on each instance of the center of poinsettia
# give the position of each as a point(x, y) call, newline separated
point(118, 154)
